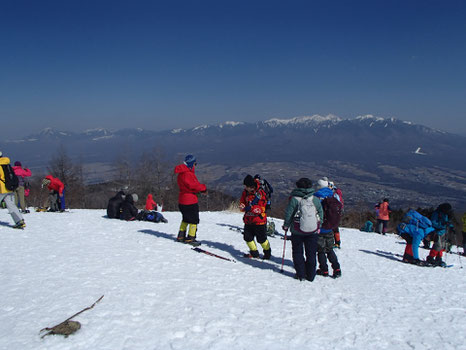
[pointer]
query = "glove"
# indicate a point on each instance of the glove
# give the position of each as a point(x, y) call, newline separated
point(284, 228)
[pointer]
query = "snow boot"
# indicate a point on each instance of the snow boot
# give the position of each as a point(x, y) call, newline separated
point(322, 273)
point(407, 258)
point(20, 224)
point(430, 261)
point(336, 273)
point(181, 236)
point(267, 254)
point(439, 262)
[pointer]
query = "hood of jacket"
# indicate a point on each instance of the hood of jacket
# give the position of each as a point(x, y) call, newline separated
point(302, 192)
point(183, 168)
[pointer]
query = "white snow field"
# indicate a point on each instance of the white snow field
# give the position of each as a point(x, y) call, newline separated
point(160, 294)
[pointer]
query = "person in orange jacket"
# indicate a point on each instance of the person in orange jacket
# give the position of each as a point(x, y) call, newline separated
point(383, 216)
point(56, 193)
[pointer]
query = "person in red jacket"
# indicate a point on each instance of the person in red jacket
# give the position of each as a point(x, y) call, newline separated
point(253, 203)
point(19, 192)
point(150, 203)
point(56, 188)
point(187, 200)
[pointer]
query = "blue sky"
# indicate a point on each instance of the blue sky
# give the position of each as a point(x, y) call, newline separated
point(76, 65)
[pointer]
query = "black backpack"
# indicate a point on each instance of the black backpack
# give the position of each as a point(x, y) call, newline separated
point(11, 180)
point(268, 189)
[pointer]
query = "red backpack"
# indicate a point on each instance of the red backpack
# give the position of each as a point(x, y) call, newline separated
point(332, 213)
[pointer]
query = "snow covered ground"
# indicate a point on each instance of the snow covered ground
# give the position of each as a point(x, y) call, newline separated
point(159, 294)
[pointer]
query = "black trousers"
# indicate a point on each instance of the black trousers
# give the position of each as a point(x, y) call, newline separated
point(257, 231)
point(304, 248)
point(190, 213)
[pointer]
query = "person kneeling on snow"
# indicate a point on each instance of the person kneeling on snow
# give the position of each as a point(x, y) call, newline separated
point(413, 229)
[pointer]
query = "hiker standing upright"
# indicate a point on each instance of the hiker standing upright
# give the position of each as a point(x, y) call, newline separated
point(302, 206)
point(7, 195)
point(21, 173)
point(253, 203)
point(188, 202)
point(383, 211)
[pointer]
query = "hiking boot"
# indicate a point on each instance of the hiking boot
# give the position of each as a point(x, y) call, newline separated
point(430, 260)
point(296, 277)
point(337, 245)
point(267, 254)
point(322, 273)
point(20, 224)
point(407, 258)
point(439, 262)
point(252, 254)
point(336, 273)
point(181, 236)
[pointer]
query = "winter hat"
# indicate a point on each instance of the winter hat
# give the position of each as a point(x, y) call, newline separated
point(249, 181)
point(17, 163)
point(189, 160)
point(304, 182)
point(331, 184)
point(322, 183)
point(135, 197)
point(445, 208)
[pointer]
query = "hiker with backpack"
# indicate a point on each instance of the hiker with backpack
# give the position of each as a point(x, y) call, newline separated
point(252, 203)
point(188, 202)
point(413, 228)
point(383, 211)
point(338, 194)
point(303, 217)
point(8, 184)
point(56, 193)
point(441, 222)
point(20, 191)
point(332, 209)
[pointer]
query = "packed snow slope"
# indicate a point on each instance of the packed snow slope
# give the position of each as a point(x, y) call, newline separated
point(160, 294)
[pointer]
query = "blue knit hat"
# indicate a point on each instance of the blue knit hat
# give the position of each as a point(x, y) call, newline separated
point(189, 160)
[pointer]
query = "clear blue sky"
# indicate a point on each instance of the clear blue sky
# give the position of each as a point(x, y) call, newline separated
point(76, 65)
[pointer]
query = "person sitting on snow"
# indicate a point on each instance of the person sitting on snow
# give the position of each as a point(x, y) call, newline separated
point(129, 212)
point(114, 205)
point(151, 211)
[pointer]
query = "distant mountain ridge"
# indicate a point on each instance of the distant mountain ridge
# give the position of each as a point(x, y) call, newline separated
point(380, 152)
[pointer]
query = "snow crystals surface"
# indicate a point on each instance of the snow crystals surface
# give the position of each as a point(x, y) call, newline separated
point(160, 294)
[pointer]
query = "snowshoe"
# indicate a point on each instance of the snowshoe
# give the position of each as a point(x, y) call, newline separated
point(253, 254)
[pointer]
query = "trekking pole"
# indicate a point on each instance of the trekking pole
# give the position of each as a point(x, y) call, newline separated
point(458, 251)
point(283, 255)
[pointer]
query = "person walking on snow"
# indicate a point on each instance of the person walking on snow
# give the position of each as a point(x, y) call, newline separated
point(383, 211)
point(253, 204)
point(303, 244)
point(19, 192)
point(188, 203)
point(8, 197)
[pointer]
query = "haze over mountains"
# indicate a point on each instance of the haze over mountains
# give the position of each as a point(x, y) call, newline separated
point(368, 157)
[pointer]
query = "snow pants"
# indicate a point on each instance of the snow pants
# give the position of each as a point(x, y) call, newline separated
point(325, 243)
point(304, 249)
point(9, 199)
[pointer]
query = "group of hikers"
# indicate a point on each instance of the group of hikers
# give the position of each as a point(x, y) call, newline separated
point(14, 189)
point(312, 217)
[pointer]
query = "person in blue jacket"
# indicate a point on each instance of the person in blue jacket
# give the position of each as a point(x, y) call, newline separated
point(441, 222)
point(413, 229)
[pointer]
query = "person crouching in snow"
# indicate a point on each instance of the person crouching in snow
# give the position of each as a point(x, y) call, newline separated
point(253, 203)
point(413, 229)
point(56, 193)
point(187, 200)
point(441, 222)
point(303, 244)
